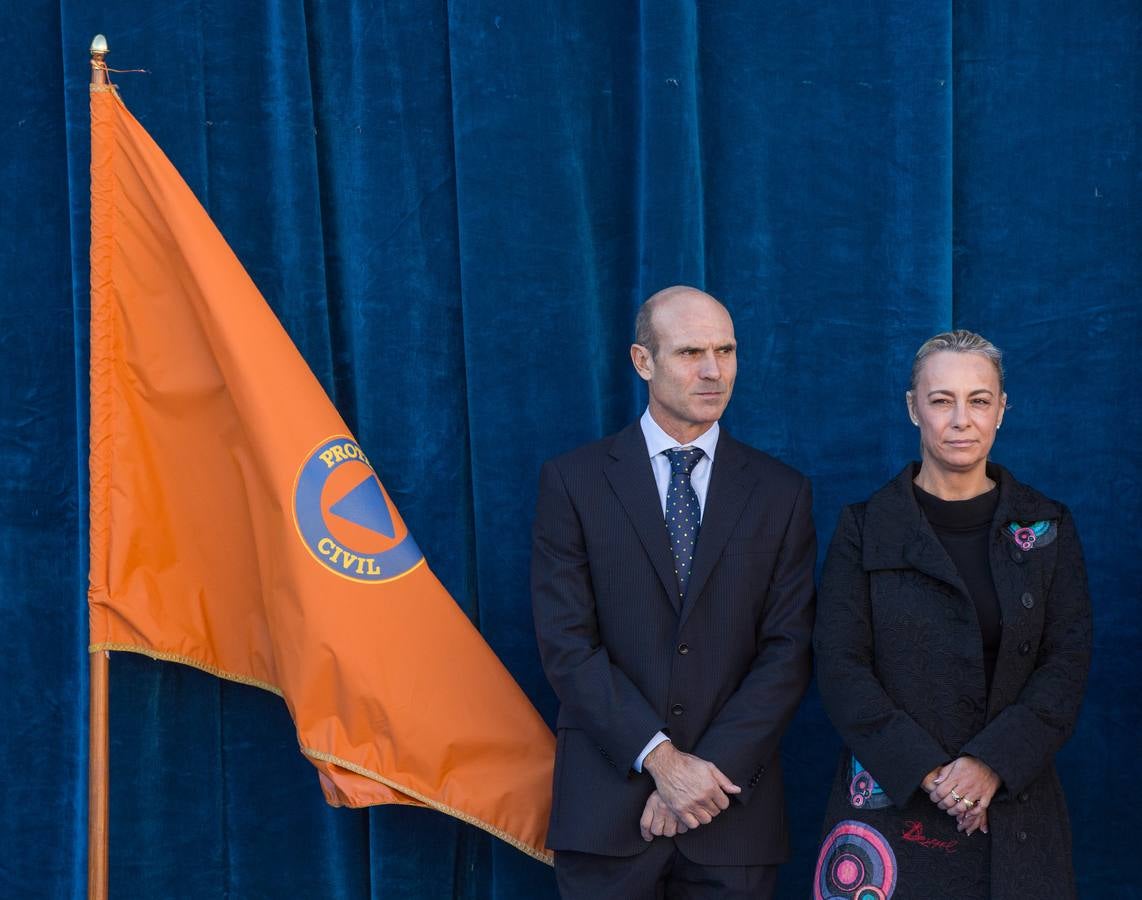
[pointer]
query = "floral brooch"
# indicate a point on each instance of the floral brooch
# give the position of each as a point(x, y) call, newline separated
point(1032, 535)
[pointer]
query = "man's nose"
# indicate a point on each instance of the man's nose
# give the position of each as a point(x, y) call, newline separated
point(709, 367)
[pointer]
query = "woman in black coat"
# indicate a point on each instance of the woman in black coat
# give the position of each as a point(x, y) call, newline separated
point(952, 642)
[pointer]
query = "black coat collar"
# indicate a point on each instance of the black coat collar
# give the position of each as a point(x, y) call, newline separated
point(897, 535)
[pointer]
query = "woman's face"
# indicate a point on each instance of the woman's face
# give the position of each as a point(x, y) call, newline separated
point(958, 406)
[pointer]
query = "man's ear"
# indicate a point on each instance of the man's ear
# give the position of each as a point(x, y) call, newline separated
point(642, 360)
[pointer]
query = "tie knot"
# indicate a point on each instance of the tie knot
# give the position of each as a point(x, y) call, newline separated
point(683, 459)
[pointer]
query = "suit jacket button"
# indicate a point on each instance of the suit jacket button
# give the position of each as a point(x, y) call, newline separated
point(1027, 600)
point(1024, 648)
point(1022, 835)
point(1017, 555)
point(1023, 797)
point(683, 649)
point(676, 709)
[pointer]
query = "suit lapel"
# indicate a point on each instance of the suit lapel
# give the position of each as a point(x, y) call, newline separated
point(731, 483)
point(632, 480)
point(898, 534)
point(924, 552)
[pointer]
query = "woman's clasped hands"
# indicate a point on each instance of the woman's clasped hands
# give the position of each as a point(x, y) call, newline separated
point(963, 788)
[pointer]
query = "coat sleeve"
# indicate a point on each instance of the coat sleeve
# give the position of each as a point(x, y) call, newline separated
point(887, 740)
point(595, 694)
point(746, 733)
point(1021, 740)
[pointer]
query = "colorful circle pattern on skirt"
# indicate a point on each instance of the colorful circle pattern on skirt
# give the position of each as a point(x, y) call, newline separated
point(856, 862)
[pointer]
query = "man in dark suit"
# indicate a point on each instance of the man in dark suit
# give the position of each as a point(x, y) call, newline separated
point(672, 586)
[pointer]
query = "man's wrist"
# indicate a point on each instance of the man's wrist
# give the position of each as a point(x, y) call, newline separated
point(657, 757)
point(651, 745)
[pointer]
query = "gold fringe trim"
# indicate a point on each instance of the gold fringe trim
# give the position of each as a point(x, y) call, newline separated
point(548, 858)
point(187, 661)
point(102, 89)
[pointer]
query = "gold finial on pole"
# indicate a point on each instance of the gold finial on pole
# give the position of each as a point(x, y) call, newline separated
point(99, 50)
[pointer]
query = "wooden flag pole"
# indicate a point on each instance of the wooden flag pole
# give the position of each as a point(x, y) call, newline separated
point(97, 754)
point(97, 805)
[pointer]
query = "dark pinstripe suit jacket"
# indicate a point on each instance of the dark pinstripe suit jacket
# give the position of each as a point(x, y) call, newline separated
point(721, 673)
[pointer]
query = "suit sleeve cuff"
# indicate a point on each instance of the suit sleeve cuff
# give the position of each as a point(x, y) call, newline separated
point(658, 738)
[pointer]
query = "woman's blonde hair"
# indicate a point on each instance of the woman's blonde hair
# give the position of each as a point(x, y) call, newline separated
point(959, 341)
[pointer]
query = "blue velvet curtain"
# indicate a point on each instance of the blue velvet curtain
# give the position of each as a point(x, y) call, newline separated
point(455, 208)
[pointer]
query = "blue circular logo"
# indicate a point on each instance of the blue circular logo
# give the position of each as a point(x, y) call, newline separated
point(346, 519)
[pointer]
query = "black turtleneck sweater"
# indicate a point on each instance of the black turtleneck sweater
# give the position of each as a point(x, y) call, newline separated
point(964, 529)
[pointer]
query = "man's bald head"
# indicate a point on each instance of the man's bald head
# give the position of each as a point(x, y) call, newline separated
point(644, 332)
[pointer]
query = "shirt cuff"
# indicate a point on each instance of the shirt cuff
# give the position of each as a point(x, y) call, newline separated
point(658, 738)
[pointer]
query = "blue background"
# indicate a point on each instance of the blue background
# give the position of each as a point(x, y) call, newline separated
point(455, 209)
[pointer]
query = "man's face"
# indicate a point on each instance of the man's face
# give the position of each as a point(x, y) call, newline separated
point(692, 375)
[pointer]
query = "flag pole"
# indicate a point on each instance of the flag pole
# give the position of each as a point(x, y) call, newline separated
point(97, 805)
point(97, 756)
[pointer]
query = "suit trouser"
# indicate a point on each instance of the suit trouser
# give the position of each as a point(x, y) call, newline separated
point(661, 872)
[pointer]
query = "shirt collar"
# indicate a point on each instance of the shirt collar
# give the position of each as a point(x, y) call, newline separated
point(658, 440)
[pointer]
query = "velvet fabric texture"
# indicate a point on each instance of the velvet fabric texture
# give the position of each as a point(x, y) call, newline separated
point(455, 208)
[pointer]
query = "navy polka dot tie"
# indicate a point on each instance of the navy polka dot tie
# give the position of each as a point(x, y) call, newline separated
point(683, 514)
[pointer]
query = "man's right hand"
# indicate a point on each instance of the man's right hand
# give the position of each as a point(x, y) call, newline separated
point(694, 789)
point(657, 819)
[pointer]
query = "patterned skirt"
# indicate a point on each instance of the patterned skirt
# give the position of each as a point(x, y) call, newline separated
point(874, 851)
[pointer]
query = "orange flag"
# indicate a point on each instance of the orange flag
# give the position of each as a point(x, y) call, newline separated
point(237, 527)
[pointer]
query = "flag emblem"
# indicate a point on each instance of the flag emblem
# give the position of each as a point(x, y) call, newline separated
point(345, 518)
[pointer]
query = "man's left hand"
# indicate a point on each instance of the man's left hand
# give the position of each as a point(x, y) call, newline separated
point(693, 788)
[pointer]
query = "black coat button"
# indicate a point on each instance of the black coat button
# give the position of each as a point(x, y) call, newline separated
point(1023, 797)
point(1022, 835)
point(676, 709)
point(1024, 648)
point(683, 649)
point(1027, 600)
point(1017, 555)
